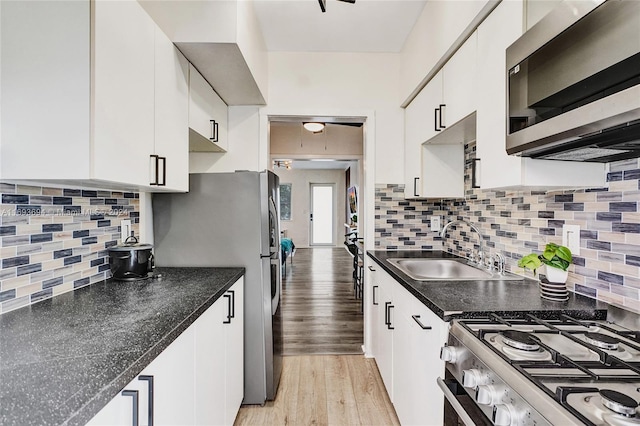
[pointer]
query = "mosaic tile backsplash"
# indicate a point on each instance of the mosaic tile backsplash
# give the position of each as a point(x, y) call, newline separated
point(55, 240)
point(516, 223)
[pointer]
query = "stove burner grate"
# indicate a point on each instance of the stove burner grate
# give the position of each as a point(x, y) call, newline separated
point(618, 402)
point(519, 340)
point(602, 341)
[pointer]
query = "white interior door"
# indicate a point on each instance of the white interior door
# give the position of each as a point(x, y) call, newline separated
point(321, 217)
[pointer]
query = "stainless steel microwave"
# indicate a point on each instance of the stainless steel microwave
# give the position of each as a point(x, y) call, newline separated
point(573, 84)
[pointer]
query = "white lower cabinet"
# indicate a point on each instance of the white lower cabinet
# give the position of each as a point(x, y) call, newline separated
point(197, 380)
point(219, 360)
point(406, 337)
point(418, 336)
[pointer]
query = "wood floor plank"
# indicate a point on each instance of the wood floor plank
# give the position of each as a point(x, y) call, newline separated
point(341, 401)
point(372, 401)
point(311, 407)
point(283, 409)
point(319, 311)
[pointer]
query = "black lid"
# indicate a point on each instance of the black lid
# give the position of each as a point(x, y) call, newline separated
point(131, 243)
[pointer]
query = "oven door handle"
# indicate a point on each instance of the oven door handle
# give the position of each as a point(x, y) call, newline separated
point(455, 403)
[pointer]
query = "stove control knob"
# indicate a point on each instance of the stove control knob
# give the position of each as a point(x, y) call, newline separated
point(472, 378)
point(504, 415)
point(487, 395)
point(448, 354)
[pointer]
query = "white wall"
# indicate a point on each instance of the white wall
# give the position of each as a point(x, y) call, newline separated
point(322, 83)
point(298, 227)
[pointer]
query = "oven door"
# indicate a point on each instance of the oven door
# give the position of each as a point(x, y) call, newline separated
point(459, 408)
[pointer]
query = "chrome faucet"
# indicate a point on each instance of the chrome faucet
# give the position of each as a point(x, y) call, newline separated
point(473, 228)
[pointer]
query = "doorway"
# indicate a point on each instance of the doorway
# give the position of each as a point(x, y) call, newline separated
point(321, 216)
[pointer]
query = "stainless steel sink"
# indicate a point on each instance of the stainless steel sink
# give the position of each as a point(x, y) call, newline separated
point(429, 269)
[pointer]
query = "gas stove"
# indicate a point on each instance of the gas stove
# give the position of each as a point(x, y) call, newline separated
point(533, 371)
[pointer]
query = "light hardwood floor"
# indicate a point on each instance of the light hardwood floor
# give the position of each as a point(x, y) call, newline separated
point(325, 390)
point(319, 311)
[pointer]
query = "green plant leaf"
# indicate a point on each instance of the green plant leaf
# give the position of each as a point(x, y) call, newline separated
point(530, 261)
point(550, 251)
point(564, 253)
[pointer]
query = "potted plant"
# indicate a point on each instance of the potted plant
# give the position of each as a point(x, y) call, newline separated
point(556, 258)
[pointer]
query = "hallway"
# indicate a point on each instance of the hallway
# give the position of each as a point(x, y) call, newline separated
point(326, 380)
point(320, 314)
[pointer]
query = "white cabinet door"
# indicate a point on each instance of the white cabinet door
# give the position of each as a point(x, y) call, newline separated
point(173, 373)
point(123, 92)
point(171, 141)
point(421, 122)
point(386, 321)
point(235, 354)
point(219, 359)
point(497, 169)
point(372, 307)
point(45, 90)
point(165, 390)
point(210, 358)
point(418, 337)
point(459, 83)
point(120, 410)
point(403, 374)
point(208, 116)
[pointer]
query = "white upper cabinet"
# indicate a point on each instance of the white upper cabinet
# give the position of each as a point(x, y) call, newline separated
point(459, 83)
point(208, 116)
point(497, 169)
point(171, 114)
point(434, 152)
point(421, 121)
point(81, 101)
point(123, 92)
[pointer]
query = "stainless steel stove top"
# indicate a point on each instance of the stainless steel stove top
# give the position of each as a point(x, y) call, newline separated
point(561, 371)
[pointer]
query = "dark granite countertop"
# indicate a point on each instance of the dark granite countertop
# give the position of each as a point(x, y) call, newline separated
point(466, 299)
point(63, 359)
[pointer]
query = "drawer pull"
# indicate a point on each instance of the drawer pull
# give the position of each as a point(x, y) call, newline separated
point(136, 403)
point(422, 326)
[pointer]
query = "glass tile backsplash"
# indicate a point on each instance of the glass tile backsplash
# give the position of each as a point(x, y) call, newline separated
point(54, 240)
point(516, 223)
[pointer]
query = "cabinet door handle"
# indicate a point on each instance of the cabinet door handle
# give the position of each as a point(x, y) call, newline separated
point(232, 314)
point(157, 171)
point(373, 295)
point(389, 326)
point(442, 126)
point(136, 403)
point(422, 326)
point(474, 173)
point(214, 131)
point(371, 268)
point(149, 380)
point(164, 171)
point(435, 119)
point(386, 313)
point(415, 186)
point(228, 320)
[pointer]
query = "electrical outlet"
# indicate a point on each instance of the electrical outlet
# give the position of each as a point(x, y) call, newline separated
point(435, 223)
point(571, 238)
point(125, 229)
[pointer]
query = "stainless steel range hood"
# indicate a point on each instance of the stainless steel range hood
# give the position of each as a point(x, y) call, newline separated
point(574, 84)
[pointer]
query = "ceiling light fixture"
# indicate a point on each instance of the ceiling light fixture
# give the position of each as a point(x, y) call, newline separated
point(313, 127)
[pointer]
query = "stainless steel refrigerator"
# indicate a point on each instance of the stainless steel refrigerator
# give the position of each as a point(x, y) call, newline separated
point(230, 220)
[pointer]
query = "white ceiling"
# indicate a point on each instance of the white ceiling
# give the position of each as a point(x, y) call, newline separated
point(366, 26)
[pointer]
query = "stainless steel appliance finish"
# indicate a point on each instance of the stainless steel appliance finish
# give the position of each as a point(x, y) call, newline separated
point(527, 371)
point(574, 84)
point(231, 219)
point(447, 270)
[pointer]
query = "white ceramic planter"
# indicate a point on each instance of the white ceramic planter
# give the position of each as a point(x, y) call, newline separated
point(555, 275)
